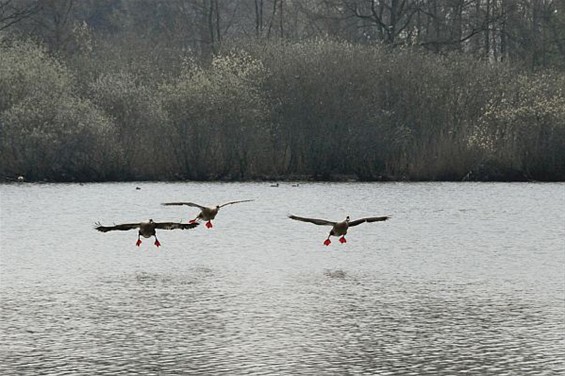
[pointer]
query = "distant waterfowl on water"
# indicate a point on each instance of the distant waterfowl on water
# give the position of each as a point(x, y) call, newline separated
point(207, 213)
point(147, 229)
point(338, 228)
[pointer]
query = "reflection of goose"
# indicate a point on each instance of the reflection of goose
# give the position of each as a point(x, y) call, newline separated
point(207, 213)
point(338, 228)
point(147, 229)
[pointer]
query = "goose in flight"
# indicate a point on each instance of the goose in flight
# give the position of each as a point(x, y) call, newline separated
point(338, 228)
point(207, 213)
point(147, 229)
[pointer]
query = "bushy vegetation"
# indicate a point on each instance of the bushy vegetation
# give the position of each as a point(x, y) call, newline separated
point(248, 89)
point(47, 130)
point(316, 108)
point(219, 119)
point(344, 109)
point(522, 128)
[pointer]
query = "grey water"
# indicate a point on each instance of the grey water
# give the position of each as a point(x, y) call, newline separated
point(464, 278)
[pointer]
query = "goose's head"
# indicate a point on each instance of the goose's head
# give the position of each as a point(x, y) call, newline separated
point(347, 219)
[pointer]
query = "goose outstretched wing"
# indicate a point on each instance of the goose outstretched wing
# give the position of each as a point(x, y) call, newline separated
point(122, 227)
point(233, 202)
point(368, 219)
point(183, 203)
point(175, 225)
point(315, 221)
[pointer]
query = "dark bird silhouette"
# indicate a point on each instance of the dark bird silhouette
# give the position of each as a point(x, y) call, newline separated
point(147, 229)
point(338, 228)
point(207, 213)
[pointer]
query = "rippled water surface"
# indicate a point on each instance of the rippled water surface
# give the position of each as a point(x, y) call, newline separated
point(465, 277)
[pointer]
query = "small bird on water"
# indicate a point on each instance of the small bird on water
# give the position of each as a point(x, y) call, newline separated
point(147, 229)
point(207, 213)
point(338, 228)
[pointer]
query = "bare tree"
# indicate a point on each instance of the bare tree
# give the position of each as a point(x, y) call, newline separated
point(277, 12)
point(53, 22)
point(390, 18)
point(12, 12)
point(259, 17)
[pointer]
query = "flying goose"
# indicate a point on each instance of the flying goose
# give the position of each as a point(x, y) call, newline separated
point(147, 229)
point(338, 228)
point(207, 213)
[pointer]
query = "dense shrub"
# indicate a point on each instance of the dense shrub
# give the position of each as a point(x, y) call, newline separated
point(523, 126)
point(47, 132)
point(343, 109)
point(140, 123)
point(316, 109)
point(218, 116)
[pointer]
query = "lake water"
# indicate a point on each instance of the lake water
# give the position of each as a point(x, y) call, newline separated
point(465, 277)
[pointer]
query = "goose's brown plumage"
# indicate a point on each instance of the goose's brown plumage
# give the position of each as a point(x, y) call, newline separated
point(147, 229)
point(338, 228)
point(207, 213)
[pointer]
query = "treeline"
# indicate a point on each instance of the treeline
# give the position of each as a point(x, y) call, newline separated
point(315, 109)
point(174, 90)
